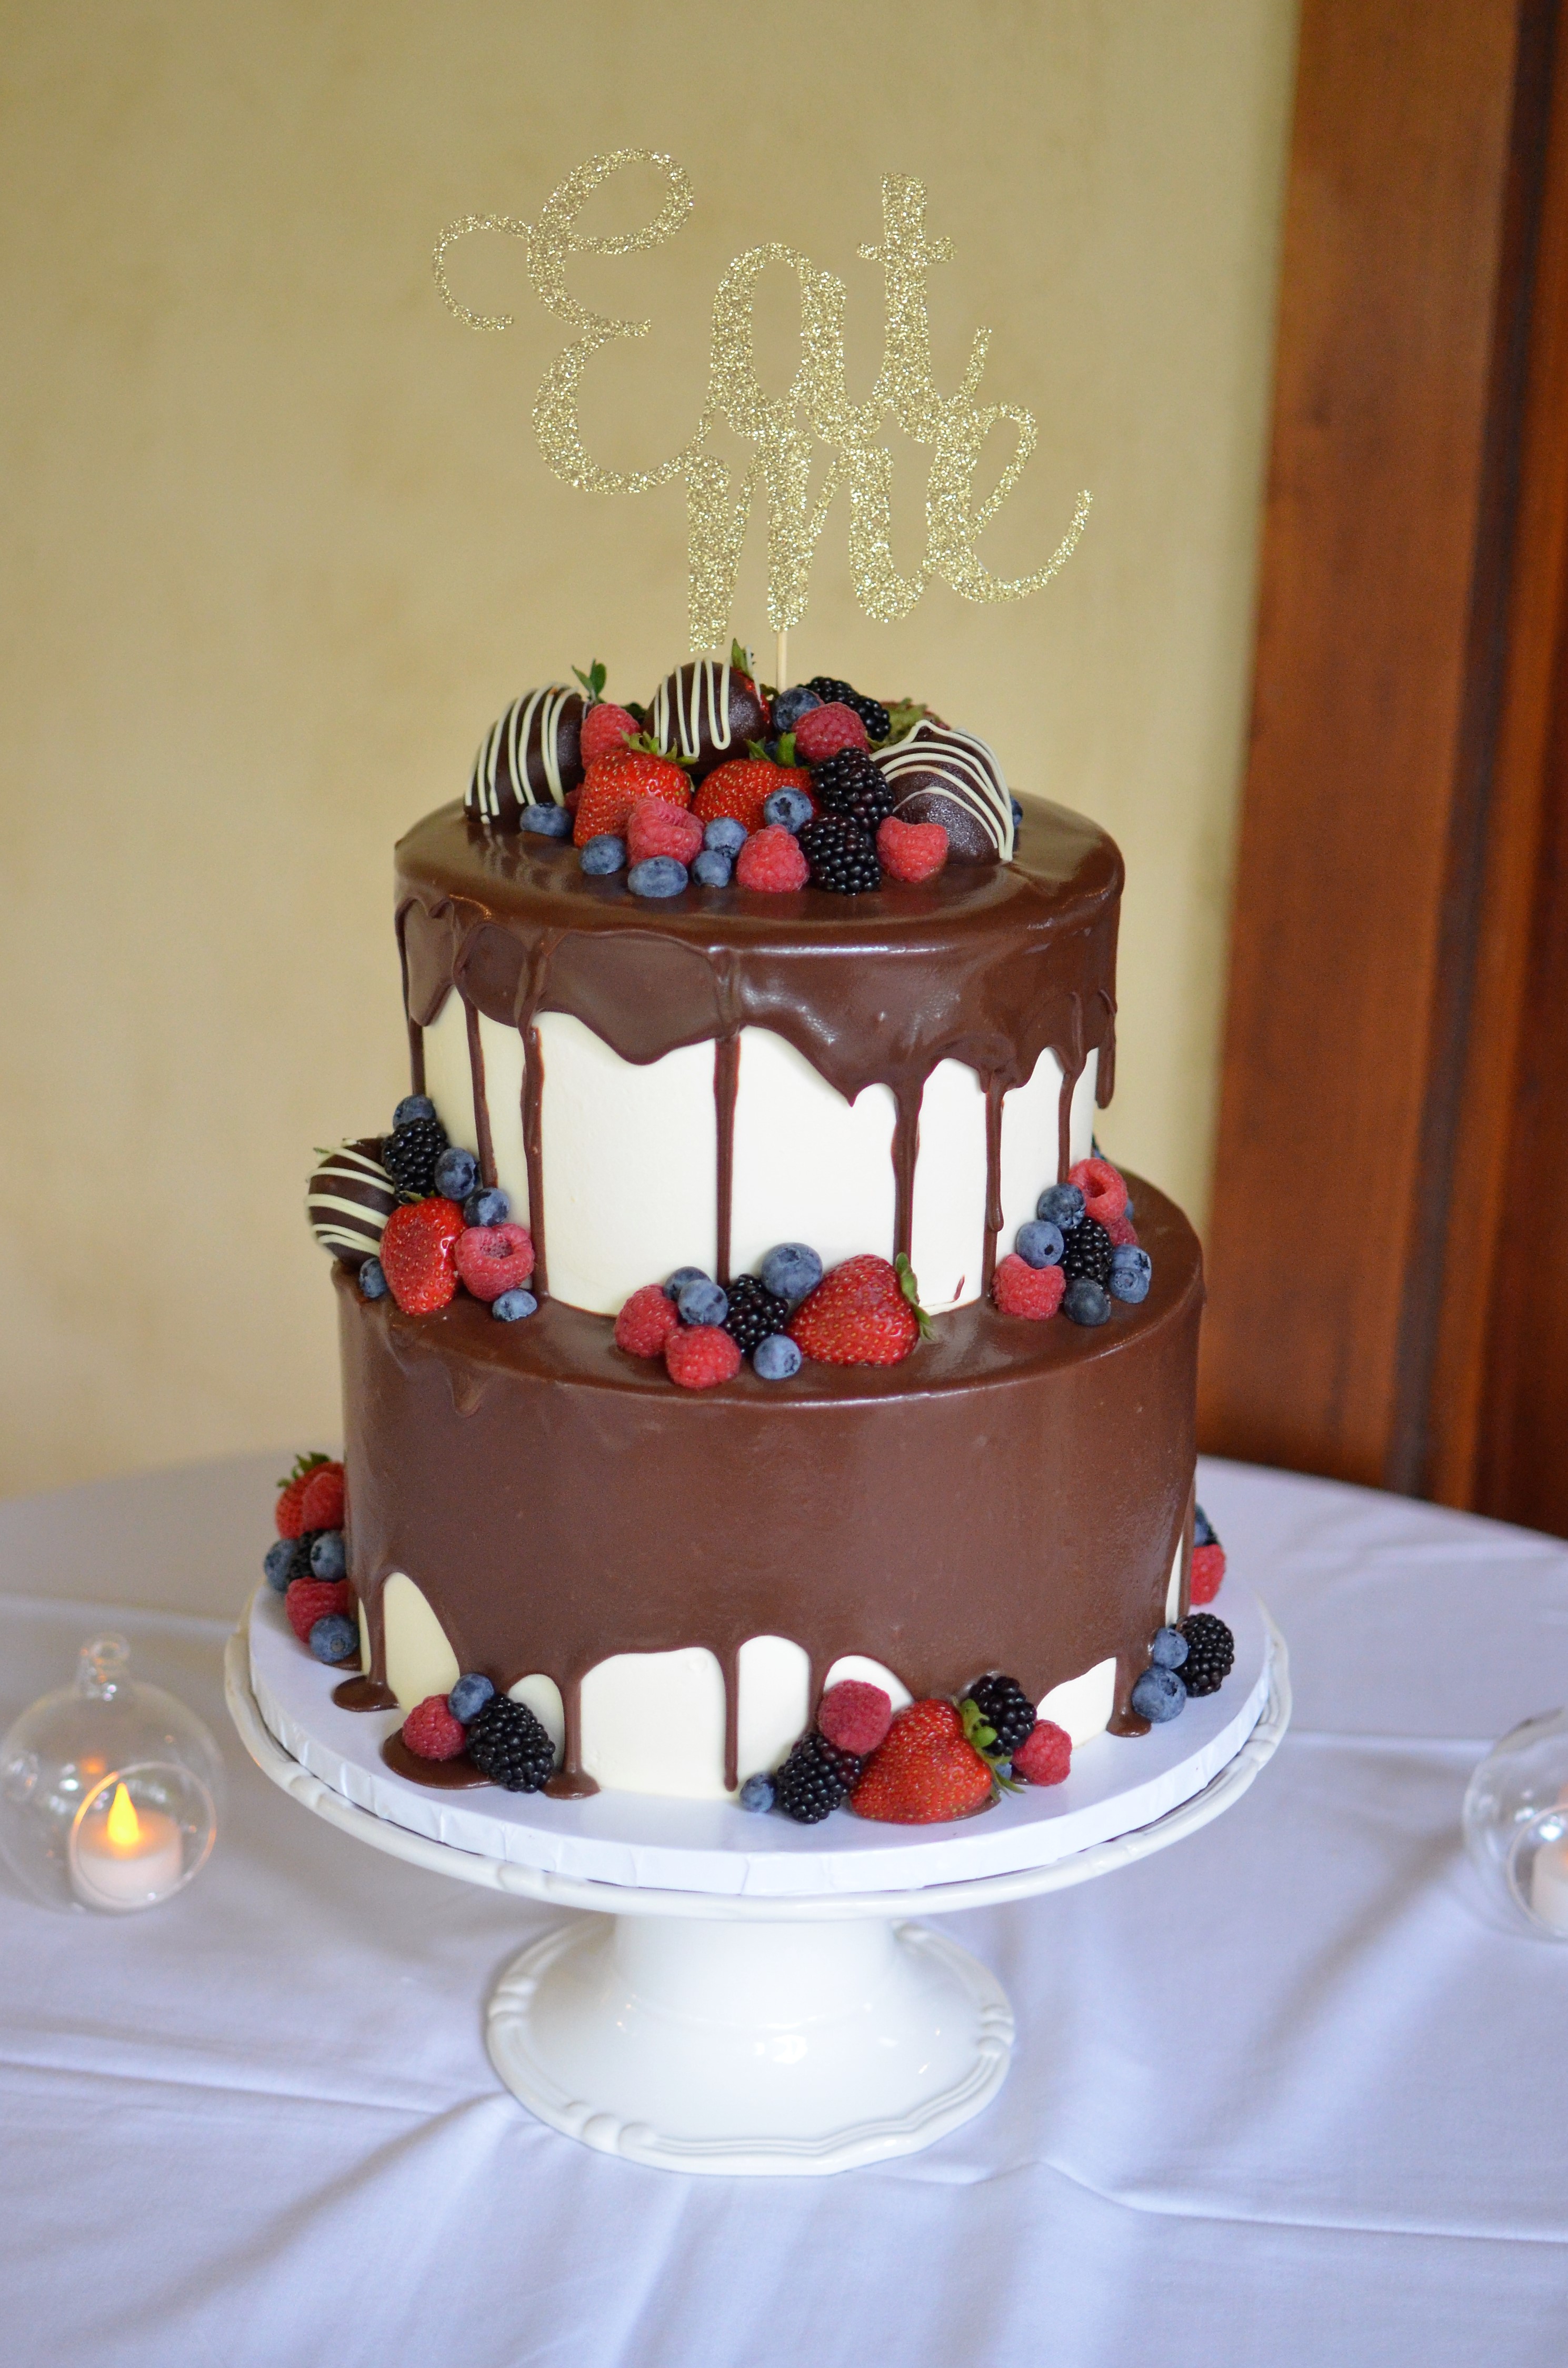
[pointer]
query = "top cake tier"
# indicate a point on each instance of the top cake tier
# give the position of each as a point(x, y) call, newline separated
point(691, 1083)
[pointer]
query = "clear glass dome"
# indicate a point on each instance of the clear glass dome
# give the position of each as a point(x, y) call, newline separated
point(109, 1790)
point(1516, 1822)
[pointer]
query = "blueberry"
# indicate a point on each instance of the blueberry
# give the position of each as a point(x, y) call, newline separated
point(790, 705)
point(1017, 813)
point(1159, 1695)
point(1040, 1243)
point(413, 1106)
point(1168, 1650)
point(486, 1207)
point(725, 834)
point(513, 1306)
point(713, 868)
point(1130, 1212)
point(604, 854)
point(791, 1270)
point(788, 807)
point(279, 1555)
point(335, 1637)
point(757, 1795)
point(681, 1277)
point(1061, 1204)
point(1202, 1528)
point(372, 1280)
point(702, 1303)
point(457, 1173)
point(329, 1557)
point(1130, 1271)
point(547, 822)
point(468, 1696)
point(656, 875)
point(1084, 1302)
point(777, 1358)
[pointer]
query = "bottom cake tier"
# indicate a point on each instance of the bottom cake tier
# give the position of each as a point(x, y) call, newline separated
point(670, 1578)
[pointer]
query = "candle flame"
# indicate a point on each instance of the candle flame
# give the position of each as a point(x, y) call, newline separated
point(123, 1826)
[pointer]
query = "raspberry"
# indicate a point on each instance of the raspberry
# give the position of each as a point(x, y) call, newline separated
point(824, 731)
point(310, 1599)
point(1105, 1194)
point(699, 1355)
point(911, 851)
point(854, 1716)
point(417, 1253)
point(1123, 1233)
point(604, 726)
point(1207, 1571)
point(646, 1322)
point(321, 1507)
point(1033, 1291)
point(494, 1259)
point(871, 712)
point(655, 827)
point(431, 1732)
point(771, 861)
point(288, 1512)
point(1046, 1756)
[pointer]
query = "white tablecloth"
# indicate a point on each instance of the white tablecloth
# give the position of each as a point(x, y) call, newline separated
point(1281, 2095)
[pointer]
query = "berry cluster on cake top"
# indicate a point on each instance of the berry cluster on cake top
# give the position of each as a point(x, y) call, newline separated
point(721, 781)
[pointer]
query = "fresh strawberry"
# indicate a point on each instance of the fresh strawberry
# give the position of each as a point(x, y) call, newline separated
point(911, 851)
point(494, 1259)
point(646, 1322)
point(1045, 1756)
point(854, 1716)
point(605, 726)
point(656, 826)
point(1207, 1574)
point(699, 1355)
point(418, 1254)
point(925, 1773)
point(290, 1513)
point(771, 862)
point(431, 1732)
point(862, 1312)
point(310, 1599)
point(1019, 1289)
point(612, 786)
point(821, 731)
point(1105, 1194)
point(739, 790)
point(321, 1507)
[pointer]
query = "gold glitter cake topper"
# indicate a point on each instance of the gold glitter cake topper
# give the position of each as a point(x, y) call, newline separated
point(786, 430)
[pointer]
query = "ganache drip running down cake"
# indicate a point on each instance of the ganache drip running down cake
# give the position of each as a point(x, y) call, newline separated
point(757, 1382)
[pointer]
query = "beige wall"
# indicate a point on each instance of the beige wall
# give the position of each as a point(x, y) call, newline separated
point(278, 544)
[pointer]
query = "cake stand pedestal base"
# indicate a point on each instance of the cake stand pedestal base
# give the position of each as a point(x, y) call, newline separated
point(705, 2047)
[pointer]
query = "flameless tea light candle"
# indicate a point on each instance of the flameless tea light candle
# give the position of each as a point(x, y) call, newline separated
point(126, 1856)
point(1516, 1822)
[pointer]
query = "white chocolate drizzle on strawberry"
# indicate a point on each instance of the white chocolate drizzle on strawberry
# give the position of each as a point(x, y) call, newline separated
point(709, 678)
point(966, 771)
point(513, 732)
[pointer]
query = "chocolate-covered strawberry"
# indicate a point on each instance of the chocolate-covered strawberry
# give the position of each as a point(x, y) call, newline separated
point(705, 714)
point(530, 756)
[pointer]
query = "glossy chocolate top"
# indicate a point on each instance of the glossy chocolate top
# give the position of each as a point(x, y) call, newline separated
point(987, 964)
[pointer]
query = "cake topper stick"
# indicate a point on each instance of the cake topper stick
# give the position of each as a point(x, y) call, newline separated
point(786, 430)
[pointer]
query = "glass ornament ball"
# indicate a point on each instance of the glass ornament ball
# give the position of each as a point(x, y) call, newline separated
point(109, 1790)
point(1516, 1824)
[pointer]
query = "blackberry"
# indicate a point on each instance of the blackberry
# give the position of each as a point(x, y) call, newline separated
point(853, 783)
point(840, 856)
point(409, 1155)
point(1211, 1653)
point(755, 1312)
point(871, 713)
point(1088, 1251)
point(1004, 1705)
point(817, 1779)
point(506, 1743)
point(300, 1560)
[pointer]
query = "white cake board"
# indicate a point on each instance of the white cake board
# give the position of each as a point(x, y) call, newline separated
point(747, 1997)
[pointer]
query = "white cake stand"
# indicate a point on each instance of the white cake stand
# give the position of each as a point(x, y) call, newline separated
point(747, 1996)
